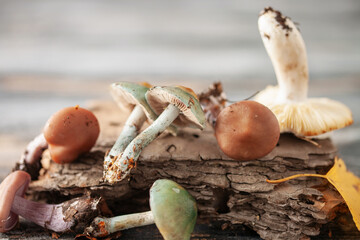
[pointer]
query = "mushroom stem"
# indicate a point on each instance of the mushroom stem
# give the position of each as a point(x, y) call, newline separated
point(35, 149)
point(286, 49)
point(173, 210)
point(131, 153)
point(30, 159)
point(101, 227)
point(49, 216)
point(68, 216)
point(128, 133)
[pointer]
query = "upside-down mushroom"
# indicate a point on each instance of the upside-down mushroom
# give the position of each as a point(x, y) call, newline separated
point(288, 100)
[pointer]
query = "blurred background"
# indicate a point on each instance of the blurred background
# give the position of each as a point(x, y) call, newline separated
point(59, 53)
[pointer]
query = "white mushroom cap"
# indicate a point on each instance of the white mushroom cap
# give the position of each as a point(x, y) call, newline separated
point(185, 99)
point(295, 112)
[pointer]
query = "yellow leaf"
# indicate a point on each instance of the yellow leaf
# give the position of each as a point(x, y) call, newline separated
point(347, 184)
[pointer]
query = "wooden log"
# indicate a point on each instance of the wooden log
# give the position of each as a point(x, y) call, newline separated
point(226, 190)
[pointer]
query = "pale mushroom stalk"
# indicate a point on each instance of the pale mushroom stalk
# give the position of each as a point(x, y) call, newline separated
point(56, 217)
point(173, 210)
point(70, 215)
point(101, 227)
point(128, 133)
point(287, 52)
point(133, 150)
point(49, 216)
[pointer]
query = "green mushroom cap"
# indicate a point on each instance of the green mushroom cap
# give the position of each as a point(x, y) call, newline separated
point(129, 94)
point(174, 210)
point(184, 98)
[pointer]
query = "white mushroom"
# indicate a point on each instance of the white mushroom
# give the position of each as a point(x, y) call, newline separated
point(296, 112)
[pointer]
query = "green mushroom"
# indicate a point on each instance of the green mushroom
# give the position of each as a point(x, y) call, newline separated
point(129, 96)
point(174, 105)
point(173, 210)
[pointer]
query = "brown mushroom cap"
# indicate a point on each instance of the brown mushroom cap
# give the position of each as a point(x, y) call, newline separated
point(71, 132)
point(14, 184)
point(247, 130)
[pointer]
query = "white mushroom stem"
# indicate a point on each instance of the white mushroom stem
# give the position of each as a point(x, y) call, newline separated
point(49, 216)
point(286, 49)
point(128, 133)
point(131, 153)
point(101, 227)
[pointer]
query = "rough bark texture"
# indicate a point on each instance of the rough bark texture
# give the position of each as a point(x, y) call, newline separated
point(226, 190)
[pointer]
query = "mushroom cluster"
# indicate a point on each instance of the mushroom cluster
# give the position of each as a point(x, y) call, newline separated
point(173, 105)
point(129, 96)
point(246, 130)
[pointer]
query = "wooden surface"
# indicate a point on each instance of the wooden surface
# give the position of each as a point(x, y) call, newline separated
point(56, 53)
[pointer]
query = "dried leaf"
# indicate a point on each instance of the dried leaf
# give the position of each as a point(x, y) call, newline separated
point(347, 184)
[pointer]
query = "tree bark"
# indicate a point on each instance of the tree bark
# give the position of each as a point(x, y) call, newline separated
point(225, 190)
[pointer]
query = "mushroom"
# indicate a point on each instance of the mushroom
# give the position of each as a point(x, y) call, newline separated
point(59, 218)
point(177, 105)
point(295, 112)
point(246, 130)
point(173, 210)
point(129, 96)
point(71, 132)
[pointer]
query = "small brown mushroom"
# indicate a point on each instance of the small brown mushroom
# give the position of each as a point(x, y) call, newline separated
point(247, 130)
point(71, 132)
